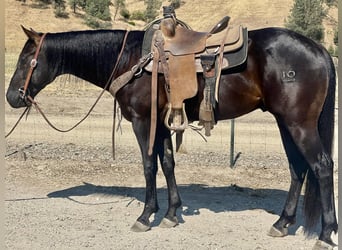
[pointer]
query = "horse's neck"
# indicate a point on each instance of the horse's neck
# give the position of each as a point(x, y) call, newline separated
point(90, 57)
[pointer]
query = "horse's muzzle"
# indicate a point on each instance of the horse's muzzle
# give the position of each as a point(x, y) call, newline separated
point(17, 99)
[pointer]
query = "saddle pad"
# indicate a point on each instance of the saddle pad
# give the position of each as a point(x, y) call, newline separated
point(147, 42)
point(239, 56)
point(183, 79)
point(237, 59)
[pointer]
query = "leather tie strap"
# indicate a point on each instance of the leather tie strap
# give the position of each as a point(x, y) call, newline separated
point(154, 89)
point(219, 66)
point(165, 69)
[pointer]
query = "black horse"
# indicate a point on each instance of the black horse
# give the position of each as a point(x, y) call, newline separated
point(286, 74)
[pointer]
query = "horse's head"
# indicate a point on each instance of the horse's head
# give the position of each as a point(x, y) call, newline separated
point(31, 74)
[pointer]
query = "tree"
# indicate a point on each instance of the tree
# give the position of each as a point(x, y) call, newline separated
point(306, 17)
point(99, 9)
point(152, 7)
point(336, 37)
point(74, 3)
point(331, 2)
point(60, 9)
point(175, 3)
point(118, 4)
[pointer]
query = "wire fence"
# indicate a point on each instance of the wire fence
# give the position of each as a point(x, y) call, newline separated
point(255, 134)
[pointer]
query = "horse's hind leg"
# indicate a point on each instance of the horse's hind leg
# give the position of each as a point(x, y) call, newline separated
point(320, 198)
point(165, 151)
point(298, 168)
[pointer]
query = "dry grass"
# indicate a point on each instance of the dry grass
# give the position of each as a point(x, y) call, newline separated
point(199, 14)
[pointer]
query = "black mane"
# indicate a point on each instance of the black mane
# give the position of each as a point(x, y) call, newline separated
point(76, 51)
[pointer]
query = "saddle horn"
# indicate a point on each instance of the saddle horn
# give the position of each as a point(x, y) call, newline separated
point(221, 25)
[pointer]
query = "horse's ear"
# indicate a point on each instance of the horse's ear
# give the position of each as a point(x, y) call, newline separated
point(32, 35)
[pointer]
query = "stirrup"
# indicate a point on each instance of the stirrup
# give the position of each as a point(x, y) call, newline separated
point(176, 124)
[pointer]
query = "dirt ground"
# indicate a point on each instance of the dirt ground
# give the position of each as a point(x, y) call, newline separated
point(64, 191)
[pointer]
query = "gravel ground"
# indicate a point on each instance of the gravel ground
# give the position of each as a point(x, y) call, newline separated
point(64, 191)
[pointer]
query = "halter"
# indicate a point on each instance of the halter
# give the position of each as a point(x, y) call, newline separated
point(33, 65)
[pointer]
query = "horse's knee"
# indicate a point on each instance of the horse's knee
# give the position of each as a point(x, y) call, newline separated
point(150, 170)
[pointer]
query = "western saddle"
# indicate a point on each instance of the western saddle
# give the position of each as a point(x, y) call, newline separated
point(179, 53)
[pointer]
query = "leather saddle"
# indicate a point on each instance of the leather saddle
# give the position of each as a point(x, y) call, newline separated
point(182, 53)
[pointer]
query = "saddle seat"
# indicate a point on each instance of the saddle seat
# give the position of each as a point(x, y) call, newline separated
point(181, 41)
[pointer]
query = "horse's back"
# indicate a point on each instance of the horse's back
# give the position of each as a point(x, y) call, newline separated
point(295, 72)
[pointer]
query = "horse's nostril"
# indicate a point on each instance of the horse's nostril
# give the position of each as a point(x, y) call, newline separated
point(21, 93)
point(15, 98)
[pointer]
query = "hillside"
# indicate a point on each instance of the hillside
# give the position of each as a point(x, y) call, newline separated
point(200, 15)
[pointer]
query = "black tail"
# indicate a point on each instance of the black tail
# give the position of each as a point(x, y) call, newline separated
point(312, 199)
point(327, 118)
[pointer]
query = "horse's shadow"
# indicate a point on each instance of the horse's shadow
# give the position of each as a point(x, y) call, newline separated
point(195, 197)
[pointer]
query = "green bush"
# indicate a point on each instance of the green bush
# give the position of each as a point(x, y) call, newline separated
point(95, 23)
point(125, 13)
point(138, 15)
point(131, 23)
point(59, 13)
point(92, 22)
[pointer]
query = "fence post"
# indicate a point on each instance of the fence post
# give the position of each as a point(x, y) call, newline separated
point(232, 138)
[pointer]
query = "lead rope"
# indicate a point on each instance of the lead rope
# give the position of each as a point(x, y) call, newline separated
point(16, 124)
point(113, 130)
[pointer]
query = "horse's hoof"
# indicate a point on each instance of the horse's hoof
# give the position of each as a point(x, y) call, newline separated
point(139, 227)
point(274, 232)
point(321, 245)
point(166, 223)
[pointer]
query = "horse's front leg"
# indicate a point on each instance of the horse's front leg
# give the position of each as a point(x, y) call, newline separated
point(141, 130)
point(165, 152)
